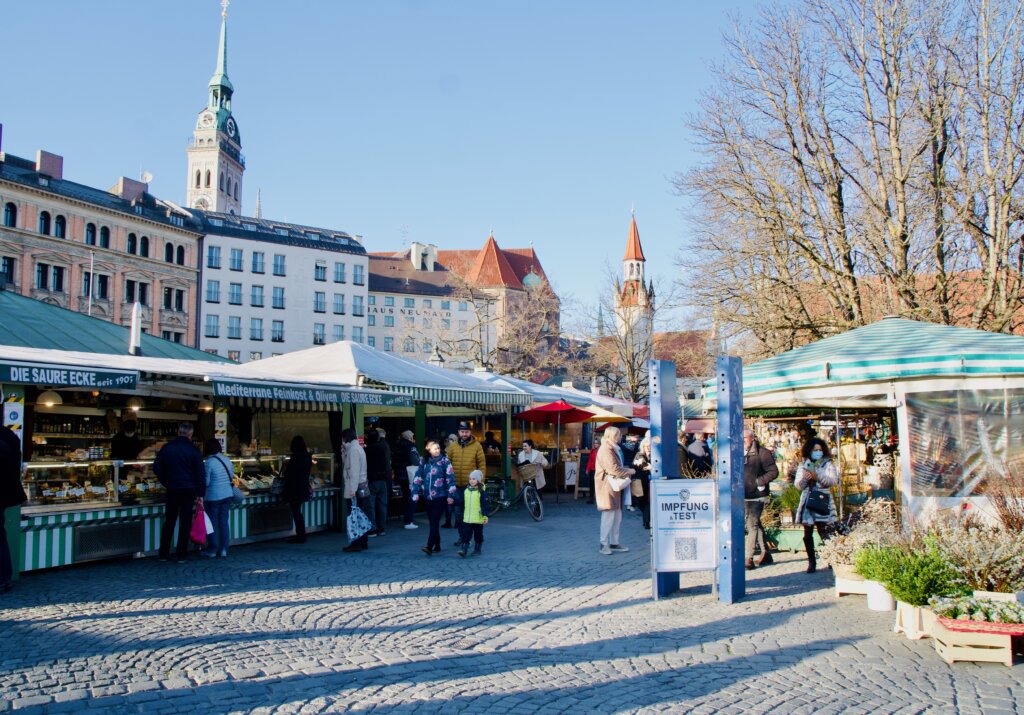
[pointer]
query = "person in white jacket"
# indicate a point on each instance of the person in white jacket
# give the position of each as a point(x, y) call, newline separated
point(353, 460)
point(610, 479)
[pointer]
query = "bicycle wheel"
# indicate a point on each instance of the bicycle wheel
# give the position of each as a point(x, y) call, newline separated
point(533, 502)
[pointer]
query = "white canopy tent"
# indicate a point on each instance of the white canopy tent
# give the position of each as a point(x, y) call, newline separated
point(347, 362)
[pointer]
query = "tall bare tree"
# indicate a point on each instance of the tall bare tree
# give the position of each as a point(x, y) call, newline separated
point(861, 157)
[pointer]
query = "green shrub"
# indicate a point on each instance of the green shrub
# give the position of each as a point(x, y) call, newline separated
point(789, 499)
point(877, 563)
point(919, 575)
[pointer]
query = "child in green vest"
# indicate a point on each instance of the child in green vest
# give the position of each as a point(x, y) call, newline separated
point(474, 508)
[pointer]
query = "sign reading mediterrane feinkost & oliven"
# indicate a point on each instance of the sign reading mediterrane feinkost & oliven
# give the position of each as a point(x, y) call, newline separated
point(253, 391)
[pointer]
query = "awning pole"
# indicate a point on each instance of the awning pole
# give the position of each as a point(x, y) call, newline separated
point(839, 461)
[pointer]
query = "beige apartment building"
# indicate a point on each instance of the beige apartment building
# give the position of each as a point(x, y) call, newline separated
point(96, 251)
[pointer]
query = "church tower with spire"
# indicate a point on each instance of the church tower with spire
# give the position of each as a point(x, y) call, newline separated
point(215, 161)
point(634, 296)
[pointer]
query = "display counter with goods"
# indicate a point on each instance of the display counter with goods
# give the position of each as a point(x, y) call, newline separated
point(89, 510)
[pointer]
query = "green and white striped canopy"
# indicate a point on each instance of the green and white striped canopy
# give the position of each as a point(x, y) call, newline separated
point(888, 351)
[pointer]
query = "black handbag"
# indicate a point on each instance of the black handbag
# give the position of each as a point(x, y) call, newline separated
point(818, 502)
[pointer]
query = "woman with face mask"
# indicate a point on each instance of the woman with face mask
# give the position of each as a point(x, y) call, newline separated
point(816, 474)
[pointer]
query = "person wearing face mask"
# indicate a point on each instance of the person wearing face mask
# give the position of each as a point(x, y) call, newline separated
point(126, 443)
point(759, 469)
point(816, 473)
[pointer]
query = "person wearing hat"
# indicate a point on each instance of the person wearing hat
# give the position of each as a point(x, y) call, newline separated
point(474, 507)
point(406, 456)
point(466, 454)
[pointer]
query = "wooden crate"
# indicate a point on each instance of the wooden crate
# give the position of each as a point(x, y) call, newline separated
point(972, 645)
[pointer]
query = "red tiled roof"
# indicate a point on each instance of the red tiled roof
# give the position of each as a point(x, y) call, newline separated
point(491, 268)
point(633, 250)
point(493, 265)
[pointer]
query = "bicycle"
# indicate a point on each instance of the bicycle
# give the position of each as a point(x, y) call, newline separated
point(495, 487)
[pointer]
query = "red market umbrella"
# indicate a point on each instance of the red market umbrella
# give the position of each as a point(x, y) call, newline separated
point(555, 413)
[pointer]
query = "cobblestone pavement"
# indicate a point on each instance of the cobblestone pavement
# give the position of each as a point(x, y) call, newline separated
point(541, 623)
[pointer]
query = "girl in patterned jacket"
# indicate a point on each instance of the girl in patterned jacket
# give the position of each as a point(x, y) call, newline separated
point(434, 482)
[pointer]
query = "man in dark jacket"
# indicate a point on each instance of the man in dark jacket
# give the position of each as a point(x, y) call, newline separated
point(378, 475)
point(759, 469)
point(179, 467)
point(11, 494)
point(406, 456)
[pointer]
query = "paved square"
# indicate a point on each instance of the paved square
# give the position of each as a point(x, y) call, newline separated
point(541, 623)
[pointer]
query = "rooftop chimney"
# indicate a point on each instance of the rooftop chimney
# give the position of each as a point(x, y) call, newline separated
point(129, 189)
point(50, 164)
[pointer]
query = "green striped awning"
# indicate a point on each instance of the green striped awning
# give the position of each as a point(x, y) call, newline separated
point(450, 395)
point(891, 349)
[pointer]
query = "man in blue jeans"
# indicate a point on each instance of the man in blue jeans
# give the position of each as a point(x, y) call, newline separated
point(179, 467)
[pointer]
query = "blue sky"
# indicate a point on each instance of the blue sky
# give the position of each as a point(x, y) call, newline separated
point(396, 120)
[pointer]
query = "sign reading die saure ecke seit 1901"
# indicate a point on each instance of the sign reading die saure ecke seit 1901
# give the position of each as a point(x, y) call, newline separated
point(684, 524)
point(67, 376)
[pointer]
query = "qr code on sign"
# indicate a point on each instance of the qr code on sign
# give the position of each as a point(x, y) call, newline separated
point(686, 549)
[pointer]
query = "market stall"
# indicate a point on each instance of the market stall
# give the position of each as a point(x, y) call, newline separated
point(437, 396)
point(957, 395)
point(71, 407)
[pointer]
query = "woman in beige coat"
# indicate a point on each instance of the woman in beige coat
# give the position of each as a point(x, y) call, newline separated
point(610, 478)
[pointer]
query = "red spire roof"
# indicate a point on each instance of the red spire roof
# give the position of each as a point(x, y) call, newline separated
point(491, 268)
point(633, 250)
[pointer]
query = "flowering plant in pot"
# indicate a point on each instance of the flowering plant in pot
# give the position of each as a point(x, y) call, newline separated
point(965, 613)
point(986, 560)
point(875, 524)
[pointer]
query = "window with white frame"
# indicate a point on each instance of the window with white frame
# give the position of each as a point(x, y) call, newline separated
point(319, 302)
point(212, 291)
point(277, 331)
point(212, 326)
point(278, 264)
point(234, 327)
point(389, 321)
point(357, 334)
point(318, 333)
point(357, 275)
point(257, 262)
point(277, 299)
point(339, 272)
point(256, 296)
point(357, 306)
point(338, 332)
point(320, 271)
point(235, 293)
point(339, 303)
point(256, 328)
point(235, 263)
point(389, 344)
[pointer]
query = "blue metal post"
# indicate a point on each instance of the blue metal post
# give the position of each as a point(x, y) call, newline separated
point(729, 466)
point(661, 376)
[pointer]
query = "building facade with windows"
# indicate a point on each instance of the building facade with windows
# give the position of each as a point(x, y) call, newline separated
point(269, 287)
point(450, 306)
point(96, 251)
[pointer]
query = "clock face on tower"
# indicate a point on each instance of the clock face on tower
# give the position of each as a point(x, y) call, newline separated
point(206, 119)
point(230, 127)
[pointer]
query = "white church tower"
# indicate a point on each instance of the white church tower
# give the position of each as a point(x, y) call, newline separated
point(215, 161)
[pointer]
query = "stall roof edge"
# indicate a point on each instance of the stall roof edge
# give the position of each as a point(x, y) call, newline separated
point(30, 323)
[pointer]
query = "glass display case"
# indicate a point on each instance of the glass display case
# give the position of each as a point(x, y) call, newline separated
point(101, 483)
point(70, 484)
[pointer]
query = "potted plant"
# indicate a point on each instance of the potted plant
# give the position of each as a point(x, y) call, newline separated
point(976, 629)
point(875, 524)
point(786, 533)
point(876, 564)
point(986, 560)
point(916, 577)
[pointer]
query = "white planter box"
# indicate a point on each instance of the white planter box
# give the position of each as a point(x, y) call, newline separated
point(848, 580)
point(915, 622)
point(879, 598)
point(1000, 596)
